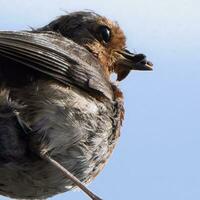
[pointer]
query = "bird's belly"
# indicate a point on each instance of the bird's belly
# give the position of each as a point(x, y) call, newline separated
point(77, 132)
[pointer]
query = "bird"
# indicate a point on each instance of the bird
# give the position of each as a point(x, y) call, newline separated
point(60, 112)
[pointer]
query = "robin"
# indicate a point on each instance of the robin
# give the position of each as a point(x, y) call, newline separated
point(60, 114)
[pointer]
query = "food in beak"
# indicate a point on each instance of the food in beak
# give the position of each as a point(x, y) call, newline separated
point(130, 61)
point(137, 61)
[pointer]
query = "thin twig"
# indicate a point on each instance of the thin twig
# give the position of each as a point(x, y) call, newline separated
point(71, 177)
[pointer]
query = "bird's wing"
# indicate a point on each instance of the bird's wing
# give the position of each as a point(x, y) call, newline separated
point(57, 57)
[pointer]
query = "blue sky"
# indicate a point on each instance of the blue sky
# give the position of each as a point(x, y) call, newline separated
point(157, 157)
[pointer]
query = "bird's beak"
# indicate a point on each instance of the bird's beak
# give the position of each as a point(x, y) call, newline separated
point(128, 61)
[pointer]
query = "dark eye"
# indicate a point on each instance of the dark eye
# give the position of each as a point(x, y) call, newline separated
point(105, 33)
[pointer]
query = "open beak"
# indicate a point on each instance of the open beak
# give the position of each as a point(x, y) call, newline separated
point(128, 61)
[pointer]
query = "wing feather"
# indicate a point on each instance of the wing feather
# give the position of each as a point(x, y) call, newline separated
point(57, 57)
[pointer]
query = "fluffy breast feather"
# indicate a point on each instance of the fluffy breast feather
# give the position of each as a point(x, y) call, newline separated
point(78, 130)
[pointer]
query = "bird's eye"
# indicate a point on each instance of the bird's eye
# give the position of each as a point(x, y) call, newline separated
point(105, 33)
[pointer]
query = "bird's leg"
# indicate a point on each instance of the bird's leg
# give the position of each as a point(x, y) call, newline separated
point(70, 176)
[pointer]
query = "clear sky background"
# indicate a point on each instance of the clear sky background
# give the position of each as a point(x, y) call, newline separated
point(157, 157)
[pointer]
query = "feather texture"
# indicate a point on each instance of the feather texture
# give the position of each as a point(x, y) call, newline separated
point(57, 57)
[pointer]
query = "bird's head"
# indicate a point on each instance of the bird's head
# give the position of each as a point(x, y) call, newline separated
point(103, 38)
